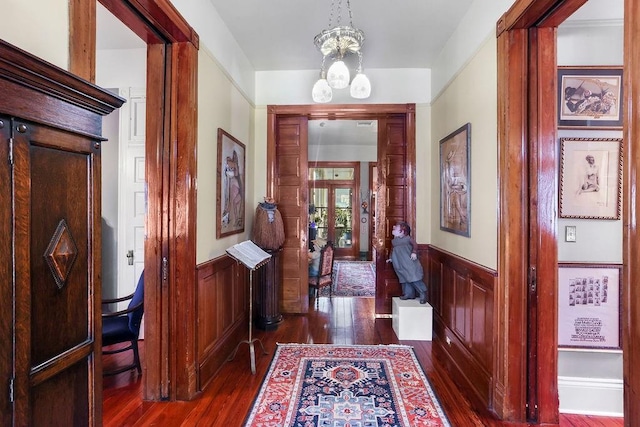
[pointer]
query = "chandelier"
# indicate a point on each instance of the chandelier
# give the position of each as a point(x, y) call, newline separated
point(334, 44)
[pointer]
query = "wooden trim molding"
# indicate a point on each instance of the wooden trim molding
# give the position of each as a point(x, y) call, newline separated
point(31, 74)
point(82, 39)
point(631, 197)
point(510, 359)
point(463, 296)
point(222, 313)
point(182, 201)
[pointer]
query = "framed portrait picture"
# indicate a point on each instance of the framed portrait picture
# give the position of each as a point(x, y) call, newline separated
point(589, 305)
point(230, 198)
point(590, 96)
point(455, 177)
point(590, 178)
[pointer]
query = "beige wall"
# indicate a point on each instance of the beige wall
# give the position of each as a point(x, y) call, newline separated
point(424, 175)
point(40, 27)
point(220, 105)
point(470, 98)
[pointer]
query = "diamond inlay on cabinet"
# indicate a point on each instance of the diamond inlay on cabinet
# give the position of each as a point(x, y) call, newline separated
point(61, 253)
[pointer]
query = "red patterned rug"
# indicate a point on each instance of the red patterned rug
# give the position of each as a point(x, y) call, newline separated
point(352, 279)
point(345, 386)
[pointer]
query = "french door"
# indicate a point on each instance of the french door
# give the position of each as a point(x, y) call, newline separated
point(333, 188)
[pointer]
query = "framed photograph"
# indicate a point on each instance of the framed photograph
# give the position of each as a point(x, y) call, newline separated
point(230, 198)
point(589, 305)
point(455, 177)
point(590, 96)
point(590, 178)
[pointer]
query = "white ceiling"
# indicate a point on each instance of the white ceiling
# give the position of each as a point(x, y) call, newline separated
point(278, 35)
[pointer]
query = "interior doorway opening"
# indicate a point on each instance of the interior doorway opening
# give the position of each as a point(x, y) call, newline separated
point(340, 155)
point(290, 150)
point(333, 202)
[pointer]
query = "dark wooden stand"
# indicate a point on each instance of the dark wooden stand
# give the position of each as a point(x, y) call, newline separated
point(268, 316)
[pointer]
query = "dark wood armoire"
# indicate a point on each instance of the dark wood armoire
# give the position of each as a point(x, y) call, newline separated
point(50, 215)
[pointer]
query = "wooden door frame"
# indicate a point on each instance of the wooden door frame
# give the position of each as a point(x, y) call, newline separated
point(170, 279)
point(527, 136)
point(372, 210)
point(351, 112)
point(631, 199)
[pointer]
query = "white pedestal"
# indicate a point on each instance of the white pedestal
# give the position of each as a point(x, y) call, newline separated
point(412, 320)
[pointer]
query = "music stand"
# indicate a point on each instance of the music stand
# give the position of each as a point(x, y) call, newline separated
point(240, 258)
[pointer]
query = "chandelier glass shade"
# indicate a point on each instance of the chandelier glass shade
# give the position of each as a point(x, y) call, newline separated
point(334, 44)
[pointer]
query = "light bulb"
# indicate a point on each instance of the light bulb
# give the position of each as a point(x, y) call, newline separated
point(360, 86)
point(338, 75)
point(321, 91)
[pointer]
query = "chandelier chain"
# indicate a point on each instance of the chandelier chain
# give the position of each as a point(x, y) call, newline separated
point(338, 15)
point(333, 3)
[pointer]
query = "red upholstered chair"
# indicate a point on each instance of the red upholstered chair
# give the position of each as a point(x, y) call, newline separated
point(325, 272)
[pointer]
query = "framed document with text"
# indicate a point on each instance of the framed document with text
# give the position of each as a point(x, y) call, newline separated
point(589, 305)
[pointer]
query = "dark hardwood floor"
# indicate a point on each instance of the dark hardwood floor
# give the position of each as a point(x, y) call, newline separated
point(228, 398)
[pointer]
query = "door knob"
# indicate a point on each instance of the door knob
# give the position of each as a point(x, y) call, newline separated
point(130, 256)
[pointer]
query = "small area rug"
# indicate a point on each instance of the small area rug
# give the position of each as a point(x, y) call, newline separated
point(352, 279)
point(345, 386)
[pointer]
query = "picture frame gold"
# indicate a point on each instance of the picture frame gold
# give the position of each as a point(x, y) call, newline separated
point(455, 181)
point(590, 178)
point(231, 186)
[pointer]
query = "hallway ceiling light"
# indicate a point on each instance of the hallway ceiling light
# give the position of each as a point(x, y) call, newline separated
point(334, 44)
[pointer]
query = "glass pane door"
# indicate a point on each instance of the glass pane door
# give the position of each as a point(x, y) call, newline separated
point(319, 214)
point(343, 205)
point(331, 217)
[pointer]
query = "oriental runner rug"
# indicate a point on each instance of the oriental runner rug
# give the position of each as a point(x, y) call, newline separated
point(352, 279)
point(345, 386)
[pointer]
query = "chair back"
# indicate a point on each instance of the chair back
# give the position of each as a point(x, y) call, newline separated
point(135, 317)
point(326, 260)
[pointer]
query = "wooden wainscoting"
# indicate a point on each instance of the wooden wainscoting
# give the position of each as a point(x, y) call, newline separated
point(222, 304)
point(463, 298)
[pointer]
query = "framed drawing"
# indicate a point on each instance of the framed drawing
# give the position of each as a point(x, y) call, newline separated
point(230, 203)
point(590, 178)
point(590, 96)
point(589, 305)
point(455, 203)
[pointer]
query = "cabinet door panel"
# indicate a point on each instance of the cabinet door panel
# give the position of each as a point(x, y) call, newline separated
point(6, 268)
point(55, 227)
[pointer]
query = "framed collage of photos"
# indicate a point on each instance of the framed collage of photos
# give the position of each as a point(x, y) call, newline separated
point(589, 306)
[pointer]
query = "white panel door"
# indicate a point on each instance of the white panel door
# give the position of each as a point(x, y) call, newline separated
point(132, 190)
